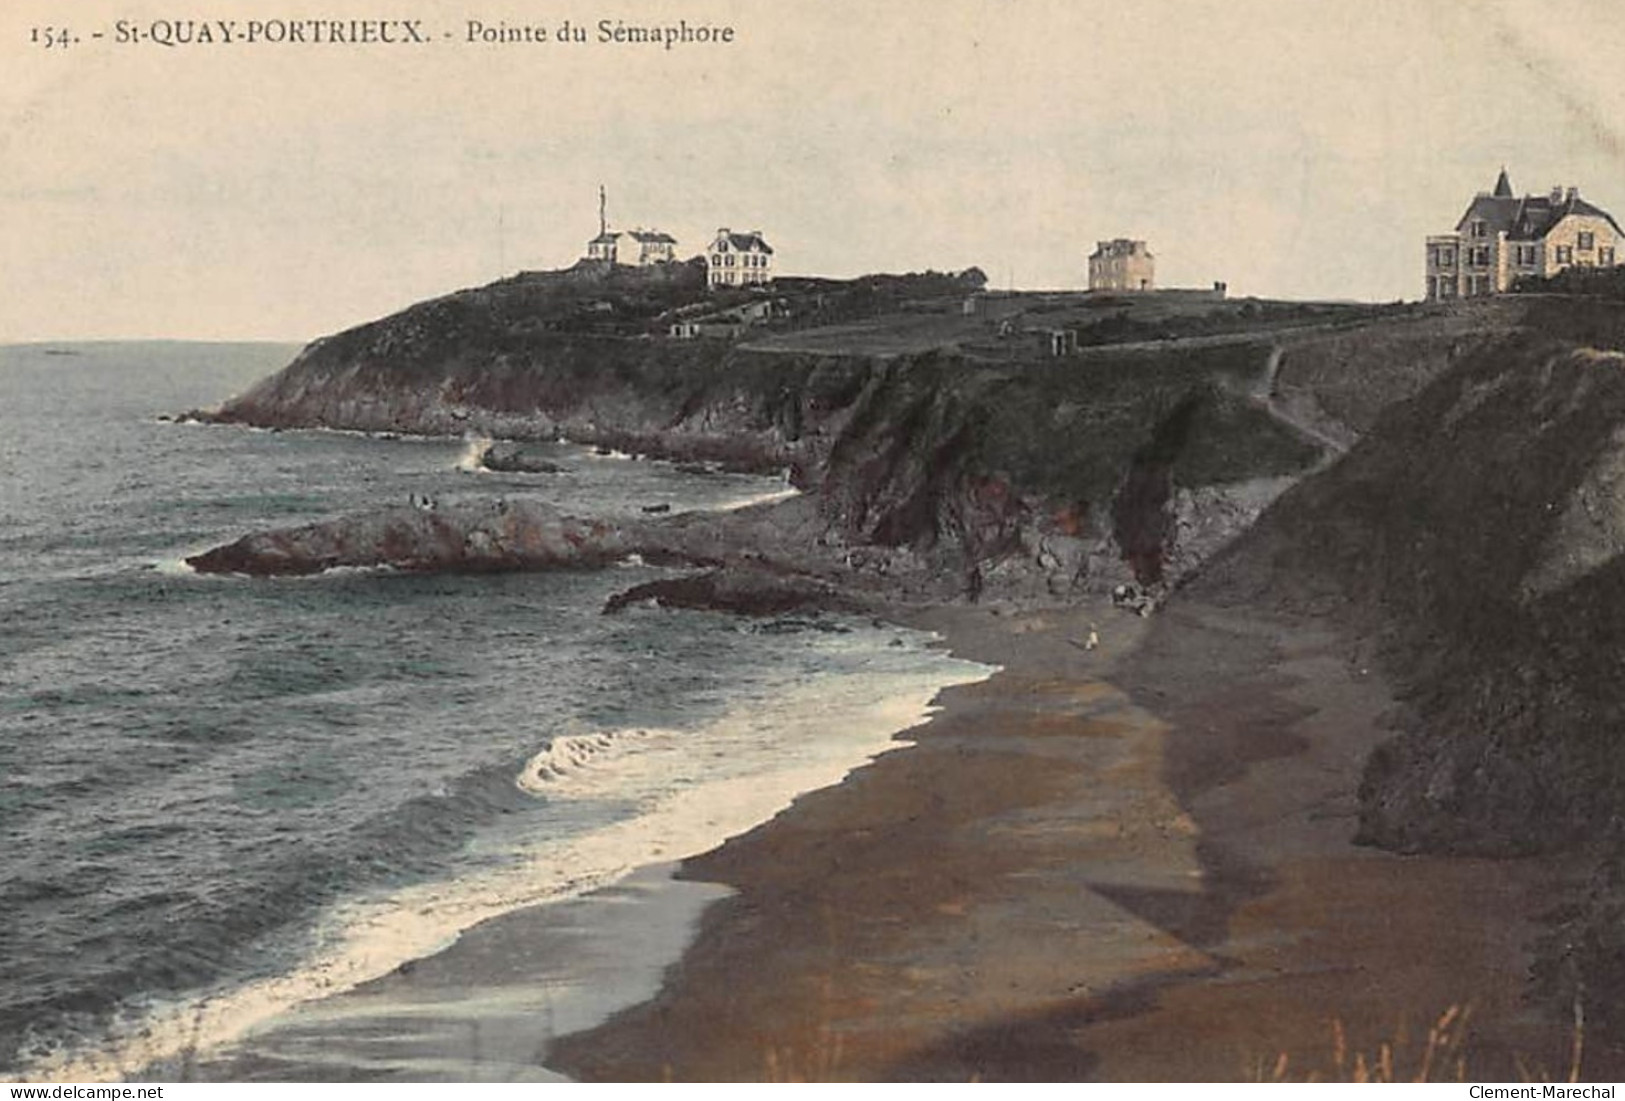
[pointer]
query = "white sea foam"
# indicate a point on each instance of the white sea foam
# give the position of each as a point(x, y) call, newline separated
point(760, 499)
point(174, 567)
point(694, 789)
point(469, 461)
point(563, 757)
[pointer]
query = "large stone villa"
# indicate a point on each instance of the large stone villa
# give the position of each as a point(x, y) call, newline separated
point(1122, 265)
point(1502, 237)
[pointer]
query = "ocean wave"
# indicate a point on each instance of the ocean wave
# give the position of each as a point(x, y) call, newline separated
point(568, 755)
point(560, 757)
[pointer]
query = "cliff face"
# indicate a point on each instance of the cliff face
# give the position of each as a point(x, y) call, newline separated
point(1477, 532)
point(1479, 528)
point(930, 454)
point(1022, 477)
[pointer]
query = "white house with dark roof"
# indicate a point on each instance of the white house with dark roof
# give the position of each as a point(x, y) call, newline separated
point(739, 259)
point(632, 248)
point(1502, 237)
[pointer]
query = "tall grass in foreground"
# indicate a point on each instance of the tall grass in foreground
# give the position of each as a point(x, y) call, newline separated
point(1442, 1058)
point(820, 1059)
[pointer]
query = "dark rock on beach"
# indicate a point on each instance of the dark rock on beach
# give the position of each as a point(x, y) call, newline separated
point(742, 591)
point(516, 458)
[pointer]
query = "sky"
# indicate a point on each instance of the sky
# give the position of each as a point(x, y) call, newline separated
point(1291, 148)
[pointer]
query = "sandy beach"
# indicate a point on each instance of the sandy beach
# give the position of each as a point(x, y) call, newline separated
point(1127, 863)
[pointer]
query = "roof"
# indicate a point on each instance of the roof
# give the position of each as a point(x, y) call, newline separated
point(746, 242)
point(605, 238)
point(1120, 246)
point(652, 237)
point(1531, 217)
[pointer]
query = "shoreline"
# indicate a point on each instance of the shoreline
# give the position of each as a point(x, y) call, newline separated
point(1133, 864)
point(1125, 864)
point(485, 1007)
point(483, 977)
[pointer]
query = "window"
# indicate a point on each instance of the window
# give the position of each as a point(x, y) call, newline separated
point(1565, 254)
point(1605, 256)
point(1447, 258)
point(1481, 229)
point(1528, 255)
point(1478, 256)
point(1587, 241)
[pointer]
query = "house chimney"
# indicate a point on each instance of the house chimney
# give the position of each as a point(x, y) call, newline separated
point(1574, 193)
point(723, 232)
point(1557, 194)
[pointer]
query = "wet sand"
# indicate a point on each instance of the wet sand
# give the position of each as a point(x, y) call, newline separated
point(1126, 864)
point(486, 1008)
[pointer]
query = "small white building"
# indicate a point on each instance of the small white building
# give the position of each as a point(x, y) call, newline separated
point(728, 323)
point(740, 259)
point(633, 248)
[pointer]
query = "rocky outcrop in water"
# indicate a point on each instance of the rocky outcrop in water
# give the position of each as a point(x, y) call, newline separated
point(741, 591)
point(486, 536)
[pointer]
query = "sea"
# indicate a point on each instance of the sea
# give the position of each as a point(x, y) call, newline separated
point(221, 797)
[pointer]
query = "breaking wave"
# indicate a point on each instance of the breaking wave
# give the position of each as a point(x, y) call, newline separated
point(469, 462)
